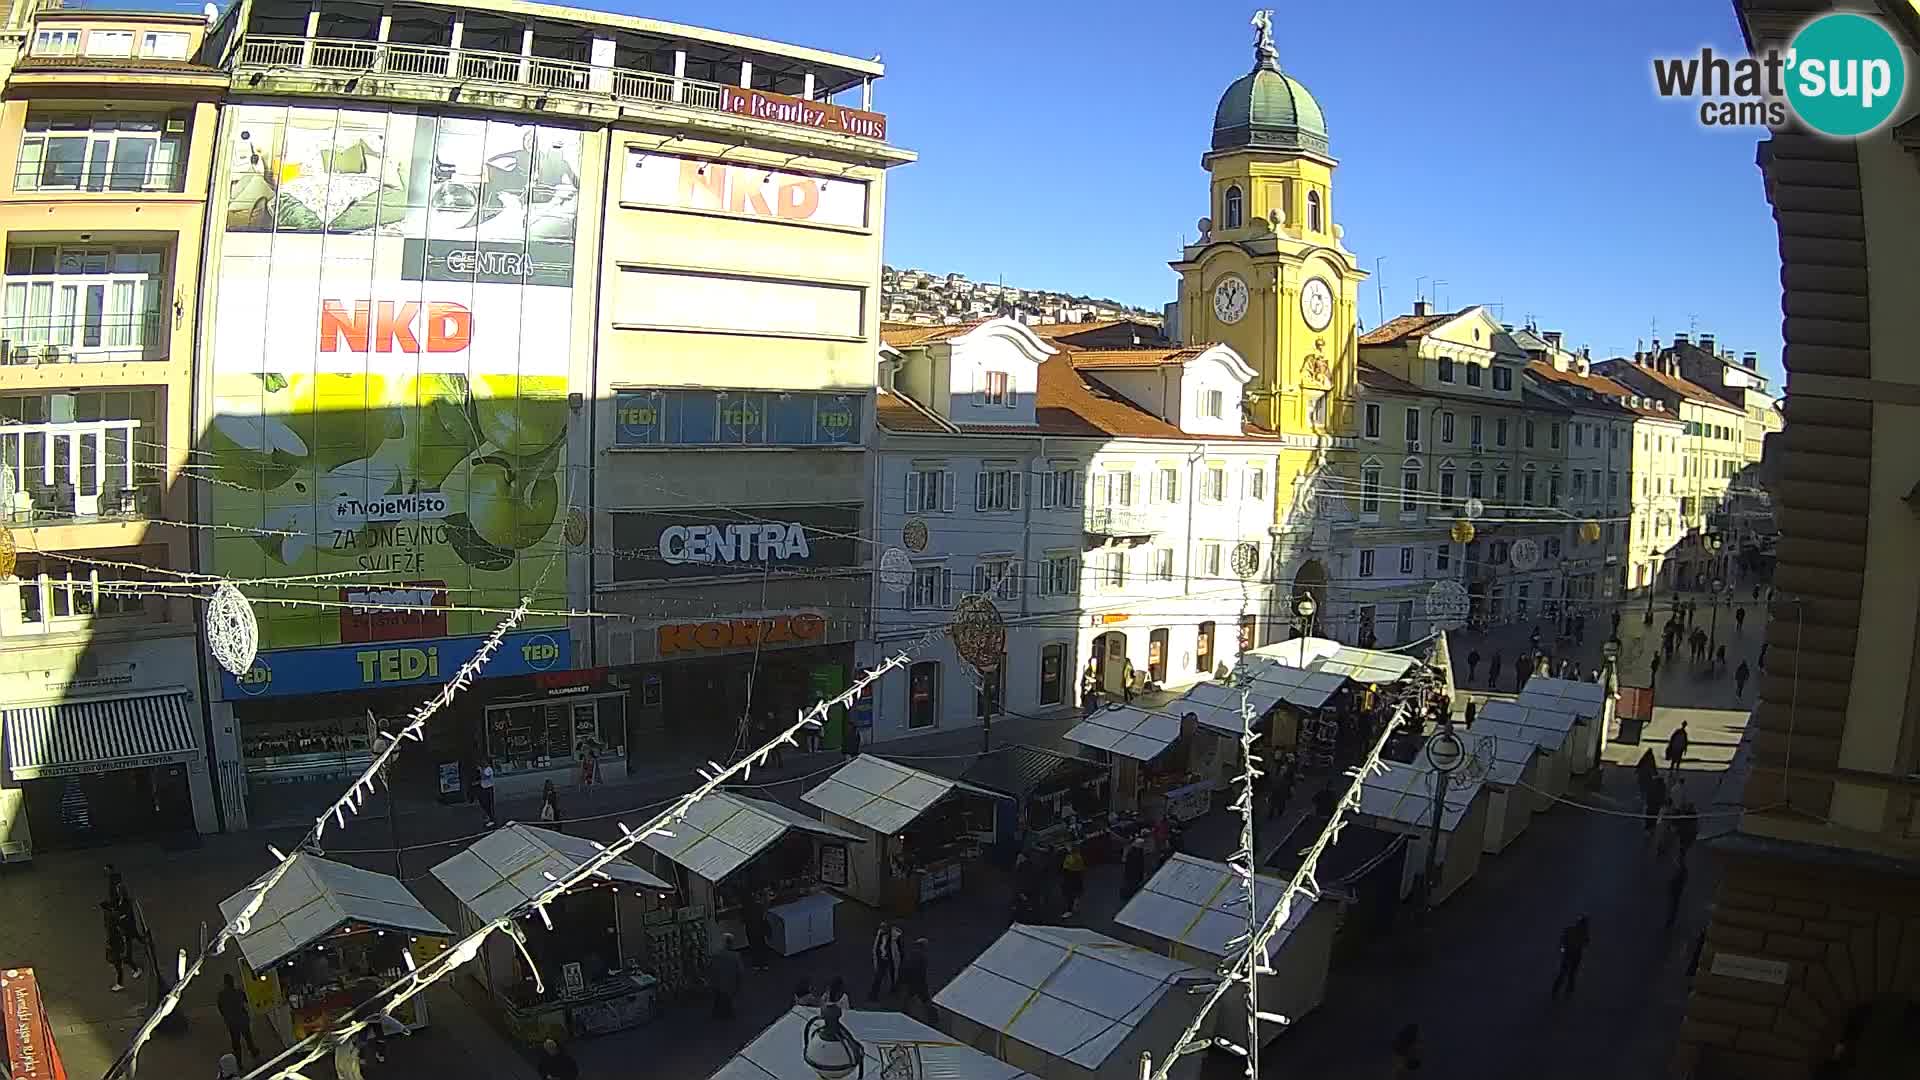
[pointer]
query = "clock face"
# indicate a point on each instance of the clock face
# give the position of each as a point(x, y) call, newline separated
point(1230, 299)
point(1316, 303)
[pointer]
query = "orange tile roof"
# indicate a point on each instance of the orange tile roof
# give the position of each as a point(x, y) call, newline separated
point(1133, 358)
point(895, 412)
point(1051, 330)
point(1684, 387)
point(1405, 326)
point(1373, 378)
point(907, 335)
point(119, 64)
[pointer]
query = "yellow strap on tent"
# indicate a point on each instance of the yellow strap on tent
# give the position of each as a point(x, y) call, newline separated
point(1035, 995)
point(1205, 906)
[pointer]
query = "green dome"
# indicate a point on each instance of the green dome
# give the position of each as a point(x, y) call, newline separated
point(1267, 109)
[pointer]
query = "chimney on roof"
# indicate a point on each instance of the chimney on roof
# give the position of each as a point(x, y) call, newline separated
point(1706, 342)
point(1421, 307)
point(1553, 338)
point(1679, 339)
point(1751, 359)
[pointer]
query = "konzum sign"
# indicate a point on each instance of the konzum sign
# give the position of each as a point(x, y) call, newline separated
point(801, 628)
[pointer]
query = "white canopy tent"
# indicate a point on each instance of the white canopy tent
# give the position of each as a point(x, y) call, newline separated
point(1190, 911)
point(1128, 731)
point(1069, 1004)
point(318, 896)
point(893, 1044)
point(1401, 800)
point(1586, 701)
point(511, 865)
point(1216, 705)
point(877, 799)
point(1553, 733)
point(1512, 759)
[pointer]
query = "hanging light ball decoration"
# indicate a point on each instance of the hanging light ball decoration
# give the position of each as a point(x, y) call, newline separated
point(577, 526)
point(1462, 532)
point(979, 633)
point(233, 635)
point(896, 570)
point(914, 534)
point(1246, 560)
point(9, 553)
point(1590, 532)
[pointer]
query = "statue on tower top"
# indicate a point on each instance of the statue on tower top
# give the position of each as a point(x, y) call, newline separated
point(1264, 54)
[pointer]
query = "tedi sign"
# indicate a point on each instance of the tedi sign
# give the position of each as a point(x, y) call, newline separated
point(756, 543)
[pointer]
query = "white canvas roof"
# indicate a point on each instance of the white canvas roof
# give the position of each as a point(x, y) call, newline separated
point(883, 795)
point(510, 866)
point(777, 1053)
point(1217, 705)
point(724, 831)
point(1322, 654)
point(1128, 731)
point(1404, 794)
point(1529, 715)
point(1071, 993)
point(1548, 740)
point(1505, 749)
point(317, 897)
point(1200, 903)
point(1568, 695)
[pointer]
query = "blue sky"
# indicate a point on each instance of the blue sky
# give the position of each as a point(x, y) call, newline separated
point(1512, 148)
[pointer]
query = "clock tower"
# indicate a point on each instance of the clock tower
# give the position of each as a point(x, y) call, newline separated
point(1269, 275)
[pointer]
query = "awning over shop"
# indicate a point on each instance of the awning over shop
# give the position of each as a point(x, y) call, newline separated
point(1322, 654)
point(1217, 705)
point(1068, 992)
point(1306, 688)
point(317, 897)
point(1404, 795)
point(75, 737)
point(510, 866)
point(1555, 719)
point(1201, 904)
point(1128, 731)
point(1507, 732)
point(883, 795)
point(1567, 695)
point(724, 831)
point(778, 1054)
point(1019, 771)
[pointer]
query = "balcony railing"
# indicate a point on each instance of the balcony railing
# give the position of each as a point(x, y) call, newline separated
point(85, 470)
point(1120, 521)
point(478, 65)
point(94, 177)
point(83, 338)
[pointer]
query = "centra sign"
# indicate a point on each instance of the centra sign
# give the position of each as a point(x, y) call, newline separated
point(758, 542)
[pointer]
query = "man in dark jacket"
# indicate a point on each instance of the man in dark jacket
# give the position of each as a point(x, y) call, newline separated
point(1473, 665)
point(913, 975)
point(232, 1003)
point(120, 952)
point(1676, 749)
point(1135, 864)
point(1573, 945)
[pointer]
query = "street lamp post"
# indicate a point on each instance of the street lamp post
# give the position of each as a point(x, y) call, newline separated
point(1713, 634)
point(1445, 752)
point(1305, 609)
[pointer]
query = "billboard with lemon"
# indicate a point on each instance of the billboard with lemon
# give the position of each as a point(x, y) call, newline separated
point(389, 400)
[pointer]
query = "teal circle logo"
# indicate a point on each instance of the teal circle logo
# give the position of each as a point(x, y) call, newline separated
point(1845, 74)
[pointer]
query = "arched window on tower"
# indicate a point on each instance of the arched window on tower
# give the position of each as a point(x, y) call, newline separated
point(1231, 209)
point(1313, 211)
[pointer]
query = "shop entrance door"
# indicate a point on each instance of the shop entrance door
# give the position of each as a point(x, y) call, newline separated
point(101, 808)
point(1113, 662)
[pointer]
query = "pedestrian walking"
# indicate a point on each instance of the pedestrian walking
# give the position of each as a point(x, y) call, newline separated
point(1134, 863)
point(1089, 691)
point(1473, 712)
point(849, 738)
point(1720, 658)
point(232, 1005)
point(1761, 663)
point(229, 1068)
point(1740, 676)
point(1473, 665)
point(1073, 878)
point(1573, 945)
point(1686, 827)
point(1406, 1052)
point(1656, 796)
point(483, 790)
point(1739, 618)
point(913, 976)
point(1493, 668)
point(725, 974)
point(550, 806)
point(1519, 678)
point(1534, 638)
point(556, 1063)
point(885, 953)
point(1653, 666)
point(1676, 888)
point(1126, 681)
point(590, 766)
point(1676, 749)
point(120, 951)
point(1644, 772)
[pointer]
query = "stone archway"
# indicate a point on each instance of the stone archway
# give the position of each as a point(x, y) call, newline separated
point(1309, 581)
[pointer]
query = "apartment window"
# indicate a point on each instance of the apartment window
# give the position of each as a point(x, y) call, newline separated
point(1370, 490)
point(1372, 414)
point(1166, 484)
point(1497, 551)
point(1115, 574)
point(1553, 488)
point(1579, 483)
point(1366, 562)
point(1446, 369)
point(999, 487)
point(1203, 649)
point(1476, 487)
point(1576, 435)
point(1213, 404)
point(1613, 438)
point(1527, 433)
point(929, 490)
point(1060, 487)
point(932, 588)
point(1443, 557)
point(1406, 560)
point(56, 43)
point(163, 46)
point(1613, 484)
point(1446, 482)
point(996, 388)
point(71, 591)
point(1520, 601)
point(1552, 547)
point(1526, 485)
point(1060, 574)
point(1446, 427)
point(923, 694)
point(81, 453)
point(1500, 431)
point(1473, 373)
point(1314, 221)
point(103, 152)
point(1409, 491)
point(1500, 484)
point(63, 300)
point(1502, 378)
point(1256, 483)
point(1213, 484)
point(1474, 432)
point(1163, 564)
point(1210, 560)
point(109, 43)
point(998, 576)
point(1593, 482)
point(1053, 673)
point(1413, 428)
point(1232, 209)
point(1553, 436)
point(1113, 489)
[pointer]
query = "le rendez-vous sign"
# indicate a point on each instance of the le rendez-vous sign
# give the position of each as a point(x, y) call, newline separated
point(781, 109)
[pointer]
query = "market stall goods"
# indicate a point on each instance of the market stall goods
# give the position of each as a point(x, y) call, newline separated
point(1400, 799)
point(922, 830)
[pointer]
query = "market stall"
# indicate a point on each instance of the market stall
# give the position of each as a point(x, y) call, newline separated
point(1551, 730)
point(1056, 800)
point(1400, 799)
point(893, 1044)
point(327, 937)
point(921, 830)
point(1327, 694)
point(1149, 754)
point(1512, 759)
point(1192, 909)
point(1586, 701)
point(591, 957)
point(734, 858)
point(1069, 1004)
